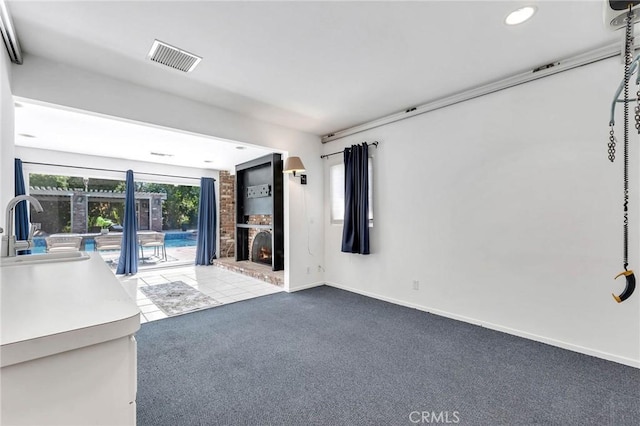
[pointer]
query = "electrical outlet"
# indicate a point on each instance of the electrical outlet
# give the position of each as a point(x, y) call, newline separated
point(319, 268)
point(416, 285)
point(308, 270)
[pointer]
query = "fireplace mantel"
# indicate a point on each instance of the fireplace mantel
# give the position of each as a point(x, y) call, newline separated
point(250, 226)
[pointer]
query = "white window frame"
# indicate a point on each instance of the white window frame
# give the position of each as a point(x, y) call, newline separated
point(336, 193)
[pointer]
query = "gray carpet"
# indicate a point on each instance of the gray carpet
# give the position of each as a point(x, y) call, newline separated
point(329, 357)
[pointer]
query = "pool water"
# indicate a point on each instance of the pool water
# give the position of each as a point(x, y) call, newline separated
point(180, 243)
point(172, 239)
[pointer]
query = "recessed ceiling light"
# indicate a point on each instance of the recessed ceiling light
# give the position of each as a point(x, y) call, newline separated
point(208, 161)
point(241, 147)
point(519, 16)
point(26, 135)
point(161, 154)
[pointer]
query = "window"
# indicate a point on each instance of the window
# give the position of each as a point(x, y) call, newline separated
point(336, 192)
point(77, 205)
point(86, 201)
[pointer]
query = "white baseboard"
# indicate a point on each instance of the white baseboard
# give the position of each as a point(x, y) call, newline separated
point(304, 287)
point(553, 342)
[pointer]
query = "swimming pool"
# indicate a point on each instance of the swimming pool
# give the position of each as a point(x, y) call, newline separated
point(172, 239)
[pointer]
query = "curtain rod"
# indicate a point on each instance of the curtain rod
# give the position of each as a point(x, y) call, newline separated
point(108, 170)
point(340, 152)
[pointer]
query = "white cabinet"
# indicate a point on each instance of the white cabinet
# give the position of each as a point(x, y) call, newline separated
point(93, 385)
point(68, 353)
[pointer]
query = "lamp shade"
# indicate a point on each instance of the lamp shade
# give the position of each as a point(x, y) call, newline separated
point(293, 165)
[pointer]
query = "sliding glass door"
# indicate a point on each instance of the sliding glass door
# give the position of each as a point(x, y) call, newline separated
point(92, 210)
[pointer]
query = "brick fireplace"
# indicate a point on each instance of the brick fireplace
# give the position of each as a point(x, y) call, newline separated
point(227, 214)
point(262, 223)
point(260, 212)
point(261, 251)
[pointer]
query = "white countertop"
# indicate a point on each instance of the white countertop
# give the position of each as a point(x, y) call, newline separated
point(55, 307)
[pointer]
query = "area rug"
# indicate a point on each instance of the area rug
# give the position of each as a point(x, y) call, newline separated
point(177, 298)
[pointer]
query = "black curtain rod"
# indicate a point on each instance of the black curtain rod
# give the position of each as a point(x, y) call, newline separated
point(107, 170)
point(340, 152)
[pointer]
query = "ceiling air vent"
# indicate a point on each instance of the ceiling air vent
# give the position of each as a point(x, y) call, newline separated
point(173, 57)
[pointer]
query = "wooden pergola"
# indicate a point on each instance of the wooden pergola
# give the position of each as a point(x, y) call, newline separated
point(148, 205)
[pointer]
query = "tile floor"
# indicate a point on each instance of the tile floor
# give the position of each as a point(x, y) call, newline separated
point(220, 284)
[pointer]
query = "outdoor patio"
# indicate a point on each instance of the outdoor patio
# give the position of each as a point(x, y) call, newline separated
point(175, 256)
point(180, 251)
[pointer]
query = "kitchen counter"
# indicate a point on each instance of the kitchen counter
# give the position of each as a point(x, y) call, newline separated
point(69, 355)
point(55, 307)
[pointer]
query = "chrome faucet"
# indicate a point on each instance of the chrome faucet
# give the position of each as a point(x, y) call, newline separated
point(9, 244)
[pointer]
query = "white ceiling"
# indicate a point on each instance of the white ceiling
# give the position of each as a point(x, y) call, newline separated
point(314, 66)
point(44, 127)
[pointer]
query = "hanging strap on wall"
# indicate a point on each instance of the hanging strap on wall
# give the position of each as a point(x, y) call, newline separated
point(630, 66)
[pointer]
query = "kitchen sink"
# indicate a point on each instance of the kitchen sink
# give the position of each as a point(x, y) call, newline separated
point(31, 259)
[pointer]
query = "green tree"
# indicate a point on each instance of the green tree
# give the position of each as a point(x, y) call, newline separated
point(181, 205)
point(73, 182)
point(106, 210)
point(55, 181)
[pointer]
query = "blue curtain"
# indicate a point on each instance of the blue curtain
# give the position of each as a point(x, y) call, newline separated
point(22, 213)
point(206, 249)
point(355, 233)
point(128, 262)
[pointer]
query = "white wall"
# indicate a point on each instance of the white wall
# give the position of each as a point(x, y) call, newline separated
point(507, 211)
point(47, 81)
point(6, 134)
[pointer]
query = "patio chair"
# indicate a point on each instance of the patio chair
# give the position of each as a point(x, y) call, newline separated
point(63, 243)
point(155, 240)
point(108, 242)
